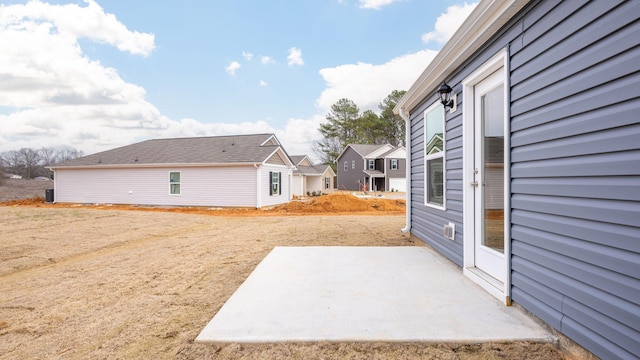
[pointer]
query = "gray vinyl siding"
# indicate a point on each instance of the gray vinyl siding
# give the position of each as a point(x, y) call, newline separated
point(400, 172)
point(575, 169)
point(427, 222)
point(348, 180)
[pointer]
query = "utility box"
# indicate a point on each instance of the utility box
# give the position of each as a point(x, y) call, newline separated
point(48, 196)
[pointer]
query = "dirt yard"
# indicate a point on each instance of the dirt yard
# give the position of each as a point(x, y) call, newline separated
point(80, 282)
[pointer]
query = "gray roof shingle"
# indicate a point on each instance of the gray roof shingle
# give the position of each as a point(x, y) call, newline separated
point(196, 150)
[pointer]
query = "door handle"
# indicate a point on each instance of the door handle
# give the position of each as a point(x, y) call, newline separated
point(474, 183)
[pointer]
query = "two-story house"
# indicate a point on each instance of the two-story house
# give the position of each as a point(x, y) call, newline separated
point(372, 168)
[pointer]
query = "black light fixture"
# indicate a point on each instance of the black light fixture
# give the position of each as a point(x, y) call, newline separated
point(445, 95)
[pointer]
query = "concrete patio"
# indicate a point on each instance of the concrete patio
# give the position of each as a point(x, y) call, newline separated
point(392, 294)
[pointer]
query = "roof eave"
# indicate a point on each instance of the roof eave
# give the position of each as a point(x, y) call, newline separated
point(484, 21)
point(157, 165)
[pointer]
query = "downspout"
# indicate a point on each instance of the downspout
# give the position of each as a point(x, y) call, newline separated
point(407, 145)
point(259, 185)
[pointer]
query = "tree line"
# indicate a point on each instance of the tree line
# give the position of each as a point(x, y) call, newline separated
point(30, 163)
point(347, 125)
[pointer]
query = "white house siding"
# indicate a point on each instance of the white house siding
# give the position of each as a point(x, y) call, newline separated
point(199, 186)
point(286, 182)
point(298, 186)
point(315, 183)
point(399, 184)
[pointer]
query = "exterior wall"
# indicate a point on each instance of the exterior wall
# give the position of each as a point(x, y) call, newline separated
point(348, 180)
point(400, 172)
point(315, 183)
point(286, 182)
point(575, 169)
point(199, 186)
point(298, 185)
point(328, 174)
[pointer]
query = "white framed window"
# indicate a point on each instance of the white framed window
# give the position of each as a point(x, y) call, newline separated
point(346, 166)
point(327, 182)
point(394, 164)
point(353, 164)
point(372, 164)
point(275, 184)
point(434, 161)
point(174, 183)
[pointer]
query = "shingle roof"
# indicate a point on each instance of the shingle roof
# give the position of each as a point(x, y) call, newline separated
point(311, 170)
point(364, 149)
point(297, 158)
point(197, 150)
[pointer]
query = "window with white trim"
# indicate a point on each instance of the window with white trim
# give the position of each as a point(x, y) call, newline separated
point(353, 164)
point(394, 164)
point(372, 164)
point(434, 169)
point(327, 182)
point(275, 183)
point(346, 166)
point(174, 183)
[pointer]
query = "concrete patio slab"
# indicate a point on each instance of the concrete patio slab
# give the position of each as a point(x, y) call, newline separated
point(393, 294)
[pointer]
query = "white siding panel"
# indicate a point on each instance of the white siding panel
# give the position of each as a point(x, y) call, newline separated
point(219, 186)
point(399, 184)
point(276, 199)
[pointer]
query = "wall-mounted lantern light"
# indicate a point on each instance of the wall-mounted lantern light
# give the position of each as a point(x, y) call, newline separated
point(445, 96)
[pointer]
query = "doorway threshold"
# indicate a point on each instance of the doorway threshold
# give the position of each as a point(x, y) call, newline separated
point(490, 284)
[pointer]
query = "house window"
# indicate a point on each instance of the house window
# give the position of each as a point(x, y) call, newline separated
point(327, 182)
point(353, 164)
point(434, 156)
point(174, 183)
point(275, 187)
point(372, 164)
point(346, 166)
point(394, 164)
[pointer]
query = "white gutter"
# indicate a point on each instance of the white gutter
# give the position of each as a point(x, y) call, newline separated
point(258, 185)
point(407, 144)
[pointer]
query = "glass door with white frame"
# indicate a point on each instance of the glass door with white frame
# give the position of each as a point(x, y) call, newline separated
point(488, 182)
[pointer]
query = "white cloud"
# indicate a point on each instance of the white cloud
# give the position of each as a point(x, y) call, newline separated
point(299, 135)
point(367, 85)
point(447, 23)
point(375, 4)
point(295, 57)
point(267, 60)
point(247, 55)
point(74, 21)
point(232, 67)
point(263, 83)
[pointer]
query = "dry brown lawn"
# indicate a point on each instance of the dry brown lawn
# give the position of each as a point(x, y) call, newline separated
point(81, 282)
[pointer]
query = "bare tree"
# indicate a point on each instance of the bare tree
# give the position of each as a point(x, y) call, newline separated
point(49, 155)
point(67, 153)
point(31, 159)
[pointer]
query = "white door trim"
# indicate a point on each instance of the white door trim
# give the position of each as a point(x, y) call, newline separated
point(502, 291)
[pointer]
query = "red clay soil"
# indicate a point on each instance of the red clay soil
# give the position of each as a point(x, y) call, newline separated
point(333, 204)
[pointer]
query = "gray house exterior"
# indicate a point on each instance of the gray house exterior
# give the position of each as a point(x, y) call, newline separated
point(531, 181)
point(372, 168)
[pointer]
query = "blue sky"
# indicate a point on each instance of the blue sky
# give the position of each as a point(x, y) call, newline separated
point(95, 75)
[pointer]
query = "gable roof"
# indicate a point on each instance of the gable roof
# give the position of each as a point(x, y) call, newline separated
point(367, 150)
point(246, 149)
point(299, 160)
point(315, 170)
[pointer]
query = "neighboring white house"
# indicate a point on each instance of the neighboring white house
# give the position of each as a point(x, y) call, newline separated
point(224, 171)
point(309, 178)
